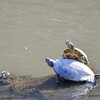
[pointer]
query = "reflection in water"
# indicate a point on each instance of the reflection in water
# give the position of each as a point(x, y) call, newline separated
point(31, 30)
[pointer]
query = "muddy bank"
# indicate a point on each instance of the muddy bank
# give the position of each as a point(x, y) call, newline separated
point(43, 88)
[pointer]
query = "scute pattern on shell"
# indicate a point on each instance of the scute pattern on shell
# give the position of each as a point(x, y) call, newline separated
point(82, 56)
point(73, 70)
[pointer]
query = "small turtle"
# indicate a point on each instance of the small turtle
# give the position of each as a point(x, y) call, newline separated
point(5, 74)
point(71, 70)
point(74, 53)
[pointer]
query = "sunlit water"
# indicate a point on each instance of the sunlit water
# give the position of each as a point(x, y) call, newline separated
point(31, 30)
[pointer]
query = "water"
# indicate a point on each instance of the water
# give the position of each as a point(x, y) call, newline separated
point(31, 30)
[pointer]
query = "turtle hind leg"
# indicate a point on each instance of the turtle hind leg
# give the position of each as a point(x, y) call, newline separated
point(93, 84)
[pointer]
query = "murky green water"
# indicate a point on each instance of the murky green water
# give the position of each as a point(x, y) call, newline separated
point(31, 30)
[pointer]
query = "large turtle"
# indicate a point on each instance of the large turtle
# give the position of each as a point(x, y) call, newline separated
point(74, 53)
point(71, 70)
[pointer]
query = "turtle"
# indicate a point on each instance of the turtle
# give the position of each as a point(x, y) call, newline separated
point(75, 53)
point(73, 70)
point(5, 74)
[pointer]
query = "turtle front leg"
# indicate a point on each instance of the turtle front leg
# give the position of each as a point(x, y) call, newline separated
point(57, 80)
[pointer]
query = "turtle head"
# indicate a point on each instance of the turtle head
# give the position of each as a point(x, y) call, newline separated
point(70, 45)
point(50, 62)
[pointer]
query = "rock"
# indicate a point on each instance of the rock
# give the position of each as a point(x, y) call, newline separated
point(42, 88)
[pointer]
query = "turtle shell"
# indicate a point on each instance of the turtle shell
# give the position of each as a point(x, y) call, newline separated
point(73, 70)
point(82, 56)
